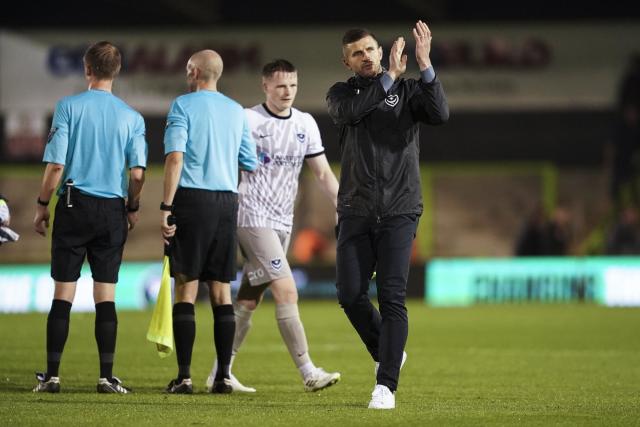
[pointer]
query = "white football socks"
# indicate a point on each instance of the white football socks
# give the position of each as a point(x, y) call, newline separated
point(293, 335)
point(243, 324)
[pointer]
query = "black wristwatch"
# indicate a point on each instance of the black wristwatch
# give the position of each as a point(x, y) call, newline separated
point(164, 207)
point(42, 202)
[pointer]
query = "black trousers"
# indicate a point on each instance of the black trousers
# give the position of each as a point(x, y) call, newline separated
point(366, 245)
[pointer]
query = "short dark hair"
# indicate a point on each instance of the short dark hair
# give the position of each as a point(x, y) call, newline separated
point(276, 65)
point(355, 34)
point(104, 60)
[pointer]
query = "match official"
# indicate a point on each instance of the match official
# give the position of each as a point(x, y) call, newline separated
point(94, 137)
point(379, 201)
point(206, 136)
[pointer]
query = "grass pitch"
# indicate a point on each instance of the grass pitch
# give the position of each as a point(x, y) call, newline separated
point(511, 364)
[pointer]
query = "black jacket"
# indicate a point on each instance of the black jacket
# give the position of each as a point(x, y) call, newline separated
point(379, 142)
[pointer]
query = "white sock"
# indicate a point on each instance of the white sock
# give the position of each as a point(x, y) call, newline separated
point(293, 335)
point(307, 369)
point(233, 357)
point(243, 324)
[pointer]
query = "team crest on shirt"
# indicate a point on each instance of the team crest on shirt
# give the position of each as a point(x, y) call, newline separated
point(276, 263)
point(301, 137)
point(52, 132)
point(391, 100)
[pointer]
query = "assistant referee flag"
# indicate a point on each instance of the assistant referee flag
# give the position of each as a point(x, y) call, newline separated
point(161, 327)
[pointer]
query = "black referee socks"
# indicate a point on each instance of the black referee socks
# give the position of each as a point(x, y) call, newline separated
point(106, 330)
point(184, 333)
point(57, 332)
point(224, 328)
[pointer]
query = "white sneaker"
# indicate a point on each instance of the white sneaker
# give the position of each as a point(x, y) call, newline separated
point(404, 359)
point(382, 398)
point(52, 385)
point(320, 379)
point(235, 384)
point(111, 385)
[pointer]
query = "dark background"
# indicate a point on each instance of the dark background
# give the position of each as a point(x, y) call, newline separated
point(566, 137)
point(190, 13)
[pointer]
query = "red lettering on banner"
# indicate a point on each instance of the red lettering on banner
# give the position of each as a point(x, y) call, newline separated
point(156, 60)
point(147, 60)
point(496, 52)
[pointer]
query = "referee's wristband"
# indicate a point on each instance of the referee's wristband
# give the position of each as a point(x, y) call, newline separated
point(164, 207)
point(42, 202)
point(131, 209)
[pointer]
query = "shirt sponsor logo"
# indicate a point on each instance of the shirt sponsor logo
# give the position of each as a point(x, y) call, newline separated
point(276, 263)
point(264, 158)
point(391, 100)
point(301, 137)
point(288, 160)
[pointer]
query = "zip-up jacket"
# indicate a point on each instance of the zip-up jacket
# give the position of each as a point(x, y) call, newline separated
point(379, 142)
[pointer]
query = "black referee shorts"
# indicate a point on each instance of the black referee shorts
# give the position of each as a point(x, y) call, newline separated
point(96, 227)
point(205, 244)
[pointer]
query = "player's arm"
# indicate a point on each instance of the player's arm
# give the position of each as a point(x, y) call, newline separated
point(175, 144)
point(50, 181)
point(55, 155)
point(317, 161)
point(137, 153)
point(172, 171)
point(136, 182)
point(248, 154)
point(326, 179)
point(428, 103)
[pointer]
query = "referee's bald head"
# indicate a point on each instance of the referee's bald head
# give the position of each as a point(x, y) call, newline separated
point(209, 64)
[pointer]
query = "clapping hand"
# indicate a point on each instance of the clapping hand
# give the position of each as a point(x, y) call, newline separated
point(397, 61)
point(422, 34)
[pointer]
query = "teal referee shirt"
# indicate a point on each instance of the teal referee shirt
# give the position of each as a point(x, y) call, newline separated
point(212, 132)
point(96, 136)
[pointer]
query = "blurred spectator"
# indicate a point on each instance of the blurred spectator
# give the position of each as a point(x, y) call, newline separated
point(545, 235)
point(625, 142)
point(624, 238)
point(309, 245)
point(6, 234)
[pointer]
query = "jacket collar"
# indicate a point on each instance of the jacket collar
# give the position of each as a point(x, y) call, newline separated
point(362, 82)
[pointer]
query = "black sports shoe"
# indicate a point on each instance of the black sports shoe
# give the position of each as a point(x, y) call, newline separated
point(224, 386)
point(51, 385)
point(182, 387)
point(111, 385)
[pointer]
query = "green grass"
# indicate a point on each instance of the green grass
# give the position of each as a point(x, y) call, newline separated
point(518, 364)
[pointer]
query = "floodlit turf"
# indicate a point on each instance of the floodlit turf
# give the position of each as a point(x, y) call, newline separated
point(516, 364)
